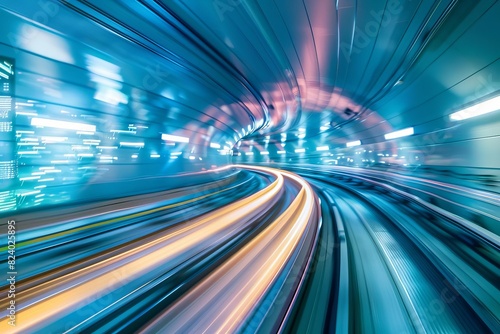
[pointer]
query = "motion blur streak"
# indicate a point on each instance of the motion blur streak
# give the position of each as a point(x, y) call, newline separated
point(49, 235)
point(78, 288)
point(394, 239)
point(225, 299)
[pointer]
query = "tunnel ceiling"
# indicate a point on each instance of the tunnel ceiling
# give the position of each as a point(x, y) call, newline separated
point(334, 71)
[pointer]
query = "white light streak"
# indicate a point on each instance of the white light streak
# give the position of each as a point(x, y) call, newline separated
point(214, 145)
point(178, 139)
point(400, 133)
point(131, 144)
point(478, 109)
point(353, 143)
point(323, 148)
point(50, 123)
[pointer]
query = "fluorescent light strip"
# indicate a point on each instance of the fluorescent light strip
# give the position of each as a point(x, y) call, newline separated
point(300, 150)
point(50, 123)
point(322, 148)
point(49, 179)
point(26, 113)
point(5, 68)
point(264, 153)
point(281, 152)
point(123, 131)
point(178, 139)
point(28, 193)
point(24, 104)
point(27, 178)
point(400, 133)
point(131, 144)
point(478, 109)
point(214, 145)
point(353, 143)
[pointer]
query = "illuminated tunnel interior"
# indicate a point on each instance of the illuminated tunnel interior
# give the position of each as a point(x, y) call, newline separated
point(255, 166)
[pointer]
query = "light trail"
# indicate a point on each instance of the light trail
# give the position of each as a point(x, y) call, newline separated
point(40, 306)
point(226, 298)
point(245, 267)
point(142, 213)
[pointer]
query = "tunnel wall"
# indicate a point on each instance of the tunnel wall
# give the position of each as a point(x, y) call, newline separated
point(111, 143)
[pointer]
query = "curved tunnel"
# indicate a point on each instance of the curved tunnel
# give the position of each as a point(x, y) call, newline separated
point(251, 166)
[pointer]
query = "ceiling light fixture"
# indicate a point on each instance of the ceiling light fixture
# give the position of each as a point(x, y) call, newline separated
point(400, 133)
point(323, 148)
point(178, 139)
point(353, 143)
point(478, 109)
